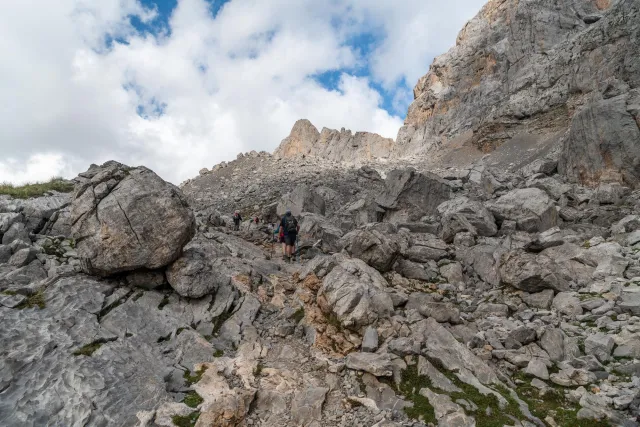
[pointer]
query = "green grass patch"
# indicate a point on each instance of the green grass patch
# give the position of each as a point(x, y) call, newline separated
point(192, 399)
point(187, 420)
point(489, 413)
point(554, 403)
point(410, 385)
point(197, 376)
point(298, 315)
point(36, 189)
point(219, 321)
point(10, 293)
point(218, 353)
point(89, 349)
point(33, 300)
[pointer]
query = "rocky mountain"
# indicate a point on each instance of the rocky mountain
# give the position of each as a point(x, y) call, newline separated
point(340, 146)
point(454, 289)
point(525, 80)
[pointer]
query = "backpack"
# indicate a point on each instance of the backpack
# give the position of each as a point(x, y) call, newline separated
point(290, 224)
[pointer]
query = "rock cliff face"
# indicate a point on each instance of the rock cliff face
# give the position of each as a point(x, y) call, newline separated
point(305, 140)
point(539, 68)
point(538, 77)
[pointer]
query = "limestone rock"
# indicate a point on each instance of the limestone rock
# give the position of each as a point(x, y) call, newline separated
point(602, 144)
point(462, 214)
point(356, 293)
point(128, 218)
point(600, 345)
point(378, 365)
point(377, 249)
point(530, 208)
point(410, 195)
point(567, 303)
point(342, 146)
point(301, 199)
point(530, 272)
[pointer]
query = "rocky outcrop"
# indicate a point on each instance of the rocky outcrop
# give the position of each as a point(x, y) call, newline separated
point(301, 199)
point(355, 294)
point(506, 80)
point(128, 218)
point(342, 146)
point(410, 195)
point(603, 142)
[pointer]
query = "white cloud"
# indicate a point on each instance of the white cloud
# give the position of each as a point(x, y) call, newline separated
point(37, 168)
point(207, 89)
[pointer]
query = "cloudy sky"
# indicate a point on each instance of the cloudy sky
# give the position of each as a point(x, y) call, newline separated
point(181, 85)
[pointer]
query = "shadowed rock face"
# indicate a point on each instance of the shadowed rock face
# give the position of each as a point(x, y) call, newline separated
point(128, 218)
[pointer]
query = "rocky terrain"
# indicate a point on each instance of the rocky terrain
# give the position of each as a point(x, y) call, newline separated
point(454, 288)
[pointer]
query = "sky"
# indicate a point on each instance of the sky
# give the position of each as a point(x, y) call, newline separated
point(178, 85)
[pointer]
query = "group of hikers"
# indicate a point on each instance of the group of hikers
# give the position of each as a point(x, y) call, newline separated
point(286, 232)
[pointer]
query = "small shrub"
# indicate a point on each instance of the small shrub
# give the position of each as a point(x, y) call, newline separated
point(218, 353)
point(192, 399)
point(187, 420)
point(88, 350)
point(298, 315)
point(192, 379)
point(34, 300)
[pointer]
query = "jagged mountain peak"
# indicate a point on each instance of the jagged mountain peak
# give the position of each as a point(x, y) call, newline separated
point(331, 144)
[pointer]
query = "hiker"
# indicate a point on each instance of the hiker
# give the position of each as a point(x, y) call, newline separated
point(236, 220)
point(289, 225)
point(256, 220)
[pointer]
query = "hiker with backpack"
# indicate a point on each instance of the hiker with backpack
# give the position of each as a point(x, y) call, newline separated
point(236, 220)
point(289, 226)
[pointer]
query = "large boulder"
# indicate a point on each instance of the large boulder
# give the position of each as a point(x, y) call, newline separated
point(355, 293)
point(424, 247)
point(302, 199)
point(409, 195)
point(377, 249)
point(531, 208)
point(318, 231)
point(362, 211)
point(462, 214)
point(603, 143)
point(531, 272)
point(128, 218)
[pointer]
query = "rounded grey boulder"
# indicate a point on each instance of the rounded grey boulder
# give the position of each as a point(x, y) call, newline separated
point(125, 219)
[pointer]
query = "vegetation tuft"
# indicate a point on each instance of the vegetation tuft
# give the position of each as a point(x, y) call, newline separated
point(218, 353)
point(298, 315)
point(554, 403)
point(197, 376)
point(33, 300)
point(36, 189)
point(89, 349)
point(219, 321)
point(187, 420)
point(192, 399)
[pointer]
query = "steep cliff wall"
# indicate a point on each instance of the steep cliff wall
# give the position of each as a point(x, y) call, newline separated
point(528, 68)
